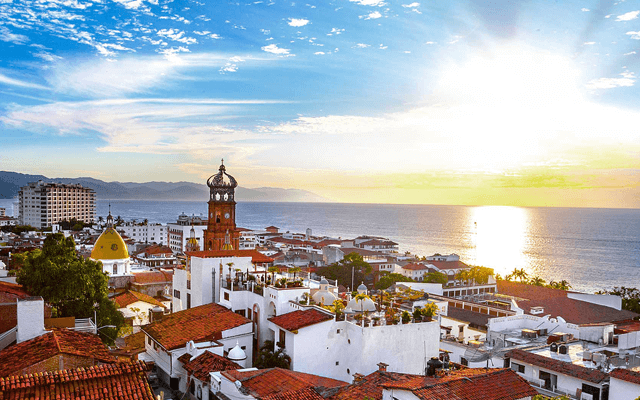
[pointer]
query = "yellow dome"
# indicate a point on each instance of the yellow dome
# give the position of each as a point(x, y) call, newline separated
point(109, 246)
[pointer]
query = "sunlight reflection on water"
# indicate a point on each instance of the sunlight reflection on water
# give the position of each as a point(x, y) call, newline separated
point(499, 237)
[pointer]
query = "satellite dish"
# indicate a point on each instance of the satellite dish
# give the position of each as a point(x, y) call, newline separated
point(238, 384)
point(473, 354)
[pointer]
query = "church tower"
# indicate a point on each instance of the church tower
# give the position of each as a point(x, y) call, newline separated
point(221, 231)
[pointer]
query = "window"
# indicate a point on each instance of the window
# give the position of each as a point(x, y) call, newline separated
point(226, 296)
point(149, 340)
point(283, 337)
point(115, 269)
point(517, 367)
point(188, 301)
point(188, 283)
point(337, 362)
point(176, 293)
point(464, 361)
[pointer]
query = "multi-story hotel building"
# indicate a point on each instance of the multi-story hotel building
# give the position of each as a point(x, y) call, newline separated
point(43, 204)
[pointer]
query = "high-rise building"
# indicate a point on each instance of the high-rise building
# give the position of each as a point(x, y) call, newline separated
point(221, 233)
point(43, 204)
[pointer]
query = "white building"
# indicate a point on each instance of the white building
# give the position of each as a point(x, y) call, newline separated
point(624, 384)
point(178, 233)
point(149, 233)
point(175, 334)
point(206, 273)
point(319, 344)
point(43, 204)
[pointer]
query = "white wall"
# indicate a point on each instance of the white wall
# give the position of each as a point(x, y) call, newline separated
point(526, 321)
point(316, 349)
point(606, 300)
point(30, 319)
point(623, 390)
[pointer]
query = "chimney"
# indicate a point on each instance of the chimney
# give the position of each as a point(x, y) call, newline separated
point(30, 312)
point(357, 377)
point(382, 367)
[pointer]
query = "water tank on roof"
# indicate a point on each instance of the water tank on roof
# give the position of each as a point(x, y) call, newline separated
point(433, 365)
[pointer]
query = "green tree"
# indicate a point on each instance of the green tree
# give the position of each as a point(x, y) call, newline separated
point(74, 286)
point(342, 270)
point(268, 358)
point(435, 277)
point(389, 279)
point(562, 285)
point(519, 274)
point(295, 271)
point(537, 281)
point(480, 275)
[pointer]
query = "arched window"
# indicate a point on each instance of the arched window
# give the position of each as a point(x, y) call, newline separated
point(217, 218)
point(115, 269)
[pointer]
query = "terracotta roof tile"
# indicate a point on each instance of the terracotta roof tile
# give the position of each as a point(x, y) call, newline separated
point(110, 381)
point(131, 296)
point(256, 256)
point(302, 394)
point(151, 277)
point(207, 362)
point(447, 265)
point(272, 381)
point(300, 318)
point(503, 384)
point(566, 368)
point(9, 292)
point(370, 386)
point(206, 322)
point(415, 267)
point(59, 341)
point(626, 375)
point(556, 303)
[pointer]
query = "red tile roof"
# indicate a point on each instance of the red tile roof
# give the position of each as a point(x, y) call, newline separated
point(59, 341)
point(155, 249)
point(201, 323)
point(446, 265)
point(9, 292)
point(503, 384)
point(272, 381)
point(376, 242)
point(415, 267)
point(131, 296)
point(370, 387)
point(300, 318)
point(8, 316)
point(205, 363)
point(256, 256)
point(109, 381)
point(152, 277)
point(556, 303)
point(626, 375)
point(566, 368)
point(302, 394)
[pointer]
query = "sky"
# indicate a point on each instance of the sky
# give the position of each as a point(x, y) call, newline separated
point(524, 103)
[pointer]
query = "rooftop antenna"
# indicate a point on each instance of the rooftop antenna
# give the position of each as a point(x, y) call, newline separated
point(473, 354)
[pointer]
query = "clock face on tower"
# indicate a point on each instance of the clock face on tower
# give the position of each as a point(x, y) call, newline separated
point(226, 215)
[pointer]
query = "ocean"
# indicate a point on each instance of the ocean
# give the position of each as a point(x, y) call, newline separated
point(593, 249)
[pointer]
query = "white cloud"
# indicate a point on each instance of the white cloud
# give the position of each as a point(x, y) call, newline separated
point(274, 49)
point(628, 79)
point(229, 67)
point(631, 15)
point(373, 15)
point(47, 56)
point(7, 36)
point(374, 3)
point(412, 5)
point(297, 22)
point(361, 46)
point(430, 42)
point(319, 53)
point(130, 4)
point(634, 35)
point(16, 82)
point(176, 35)
point(589, 43)
point(335, 31)
point(585, 9)
point(629, 53)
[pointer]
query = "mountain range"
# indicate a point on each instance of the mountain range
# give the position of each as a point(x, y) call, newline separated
point(10, 183)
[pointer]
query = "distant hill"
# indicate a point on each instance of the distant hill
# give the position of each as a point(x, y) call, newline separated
point(10, 183)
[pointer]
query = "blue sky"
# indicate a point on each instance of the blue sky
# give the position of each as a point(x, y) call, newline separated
point(463, 102)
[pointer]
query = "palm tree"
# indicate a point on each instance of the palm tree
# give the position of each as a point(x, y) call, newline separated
point(519, 274)
point(295, 271)
point(273, 269)
point(562, 285)
point(537, 281)
point(230, 264)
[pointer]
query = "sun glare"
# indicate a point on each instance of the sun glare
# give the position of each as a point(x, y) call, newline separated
point(504, 105)
point(500, 237)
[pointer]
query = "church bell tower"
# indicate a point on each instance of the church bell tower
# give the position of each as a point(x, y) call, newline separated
point(221, 231)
